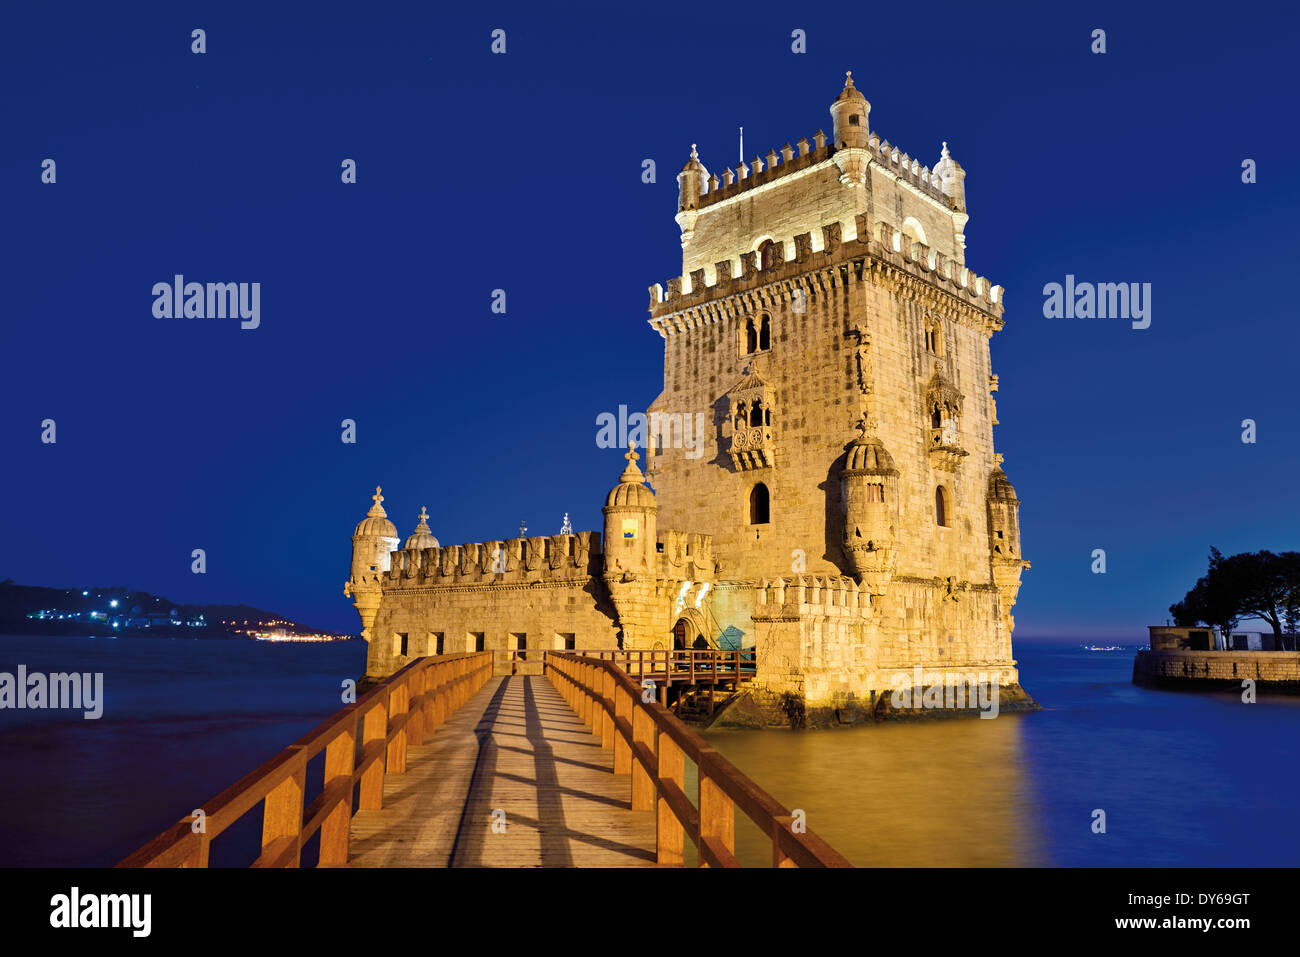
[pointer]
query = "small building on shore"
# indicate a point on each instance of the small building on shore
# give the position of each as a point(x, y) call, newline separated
point(1174, 638)
point(1201, 638)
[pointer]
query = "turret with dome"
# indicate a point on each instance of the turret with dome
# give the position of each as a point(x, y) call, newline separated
point(421, 537)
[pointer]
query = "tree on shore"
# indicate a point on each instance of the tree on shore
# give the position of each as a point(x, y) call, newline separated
point(1249, 585)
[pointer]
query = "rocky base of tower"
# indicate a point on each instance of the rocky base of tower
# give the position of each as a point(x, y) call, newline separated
point(1011, 699)
point(758, 709)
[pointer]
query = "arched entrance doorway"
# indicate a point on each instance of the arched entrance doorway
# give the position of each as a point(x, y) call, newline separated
point(686, 637)
point(691, 631)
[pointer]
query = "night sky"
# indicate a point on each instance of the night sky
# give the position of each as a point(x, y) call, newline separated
point(523, 172)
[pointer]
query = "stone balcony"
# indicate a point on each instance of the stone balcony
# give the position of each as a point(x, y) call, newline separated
point(945, 449)
point(751, 447)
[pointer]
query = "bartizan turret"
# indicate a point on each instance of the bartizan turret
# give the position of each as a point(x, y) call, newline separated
point(952, 180)
point(869, 493)
point(692, 181)
point(1004, 541)
point(631, 534)
point(849, 115)
point(373, 544)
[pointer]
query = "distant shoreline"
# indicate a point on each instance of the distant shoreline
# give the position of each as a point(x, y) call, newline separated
point(37, 610)
point(189, 634)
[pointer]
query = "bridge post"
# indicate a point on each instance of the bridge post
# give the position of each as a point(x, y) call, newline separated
point(588, 673)
point(440, 697)
point(415, 707)
point(606, 706)
point(374, 729)
point(427, 719)
point(282, 817)
point(200, 856)
point(335, 831)
point(717, 812)
point(670, 836)
point(781, 826)
point(397, 700)
point(643, 739)
point(623, 706)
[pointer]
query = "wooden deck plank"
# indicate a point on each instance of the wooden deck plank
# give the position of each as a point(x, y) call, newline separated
point(518, 748)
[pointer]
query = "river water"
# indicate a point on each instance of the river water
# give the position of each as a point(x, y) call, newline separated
point(1185, 779)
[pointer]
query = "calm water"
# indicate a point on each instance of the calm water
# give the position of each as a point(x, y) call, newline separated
point(183, 719)
point(1184, 779)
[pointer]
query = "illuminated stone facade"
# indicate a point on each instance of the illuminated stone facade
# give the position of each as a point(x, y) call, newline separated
point(846, 515)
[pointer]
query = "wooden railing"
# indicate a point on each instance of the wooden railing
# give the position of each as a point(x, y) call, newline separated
point(693, 666)
point(362, 742)
point(652, 747)
point(664, 667)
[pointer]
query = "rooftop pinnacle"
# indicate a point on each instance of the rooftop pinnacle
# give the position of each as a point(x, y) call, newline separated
point(631, 474)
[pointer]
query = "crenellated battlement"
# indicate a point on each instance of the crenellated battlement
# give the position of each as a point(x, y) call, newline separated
point(880, 246)
point(541, 557)
point(909, 170)
point(809, 594)
point(760, 171)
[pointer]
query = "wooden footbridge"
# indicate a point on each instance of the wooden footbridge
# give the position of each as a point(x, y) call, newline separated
point(455, 762)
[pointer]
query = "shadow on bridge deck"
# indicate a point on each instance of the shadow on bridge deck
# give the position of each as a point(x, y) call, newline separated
point(517, 747)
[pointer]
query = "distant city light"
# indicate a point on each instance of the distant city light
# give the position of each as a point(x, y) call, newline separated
point(84, 594)
point(113, 603)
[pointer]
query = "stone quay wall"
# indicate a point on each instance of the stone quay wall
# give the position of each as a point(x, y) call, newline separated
point(1271, 670)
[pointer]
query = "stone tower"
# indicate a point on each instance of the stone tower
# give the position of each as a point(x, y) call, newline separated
point(824, 292)
point(843, 514)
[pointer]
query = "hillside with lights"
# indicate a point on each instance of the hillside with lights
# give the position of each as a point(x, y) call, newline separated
point(112, 611)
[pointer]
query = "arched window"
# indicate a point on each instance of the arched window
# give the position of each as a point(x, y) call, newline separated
point(741, 416)
point(936, 418)
point(751, 337)
point(765, 254)
point(933, 338)
point(759, 505)
point(756, 414)
point(941, 505)
point(765, 332)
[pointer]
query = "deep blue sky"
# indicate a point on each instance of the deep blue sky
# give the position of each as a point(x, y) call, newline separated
point(522, 172)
